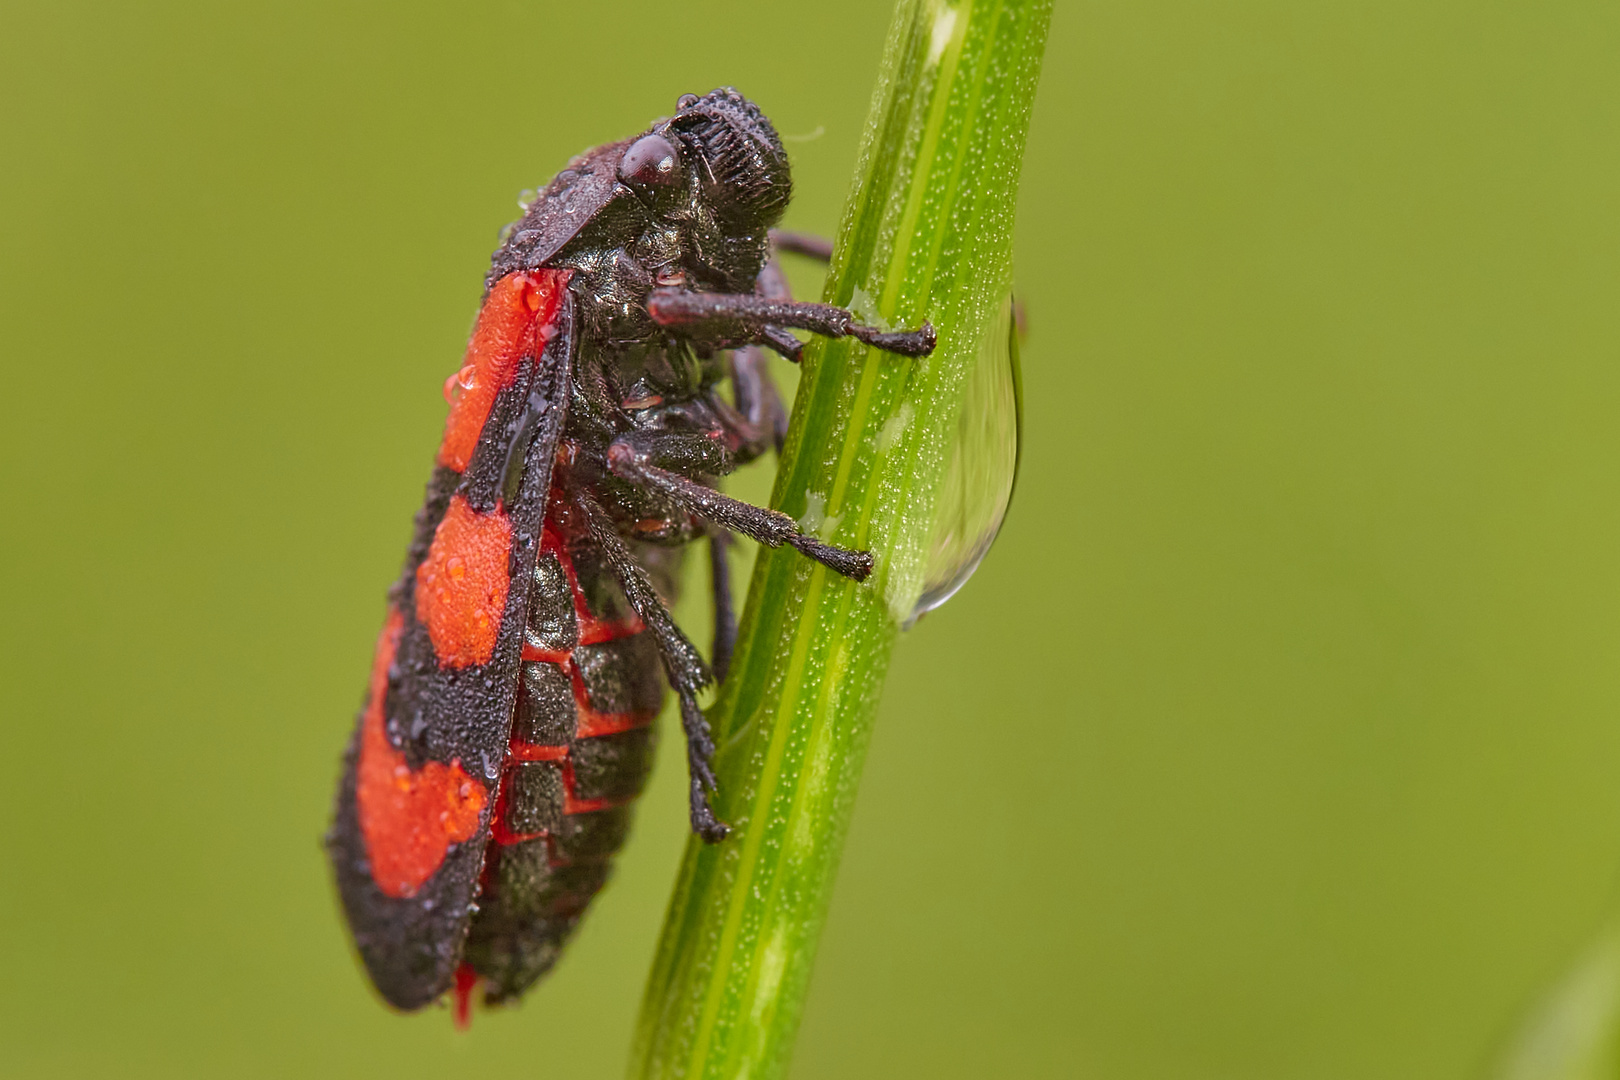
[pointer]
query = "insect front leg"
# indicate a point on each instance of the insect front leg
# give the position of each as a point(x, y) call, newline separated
point(819, 248)
point(637, 458)
point(752, 386)
point(685, 669)
point(728, 319)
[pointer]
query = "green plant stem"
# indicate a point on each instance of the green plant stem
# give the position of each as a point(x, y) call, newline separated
point(927, 234)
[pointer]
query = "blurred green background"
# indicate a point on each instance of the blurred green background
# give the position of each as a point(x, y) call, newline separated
point(1276, 739)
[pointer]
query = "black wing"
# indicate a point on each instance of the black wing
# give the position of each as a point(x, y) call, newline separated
point(422, 770)
point(587, 192)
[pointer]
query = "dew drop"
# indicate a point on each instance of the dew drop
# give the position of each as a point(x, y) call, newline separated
point(981, 471)
point(462, 380)
point(815, 513)
point(456, 567)
point(866, 309)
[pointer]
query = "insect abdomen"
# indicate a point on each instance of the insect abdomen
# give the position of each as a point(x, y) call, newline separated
point(582, 741)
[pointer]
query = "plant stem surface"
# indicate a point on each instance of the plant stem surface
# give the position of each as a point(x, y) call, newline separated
point(927, 234)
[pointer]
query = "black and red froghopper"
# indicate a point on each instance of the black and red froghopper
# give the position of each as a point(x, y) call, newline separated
point(507, 727)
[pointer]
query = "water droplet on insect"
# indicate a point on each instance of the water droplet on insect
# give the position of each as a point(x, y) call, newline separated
point(526, 198)
point(456, 567)
point(461, 380)
point(981, 471)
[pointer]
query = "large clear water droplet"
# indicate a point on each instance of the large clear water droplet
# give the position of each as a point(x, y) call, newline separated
point(982, 469)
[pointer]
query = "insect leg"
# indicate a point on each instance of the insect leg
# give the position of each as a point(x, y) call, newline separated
point(725, 621)
point(631, 458)
point(682, 665)
point(819, 248)
point(734, 318)
point(757, 399)
point(755, 391)
point(807, 244)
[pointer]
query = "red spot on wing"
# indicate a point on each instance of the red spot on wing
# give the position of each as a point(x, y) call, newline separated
point(515, 322)
point(461, 585)
point(408, 818)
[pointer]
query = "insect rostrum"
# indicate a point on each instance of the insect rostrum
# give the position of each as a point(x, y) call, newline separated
point(506, 729)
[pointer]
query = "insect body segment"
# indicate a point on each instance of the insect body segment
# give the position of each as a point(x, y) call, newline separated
point(581, 746)
point(507, 726)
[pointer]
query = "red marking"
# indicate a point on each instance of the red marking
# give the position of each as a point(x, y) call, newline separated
point(571, 805)
point(523, 751)
point(505, 837)
point(591, 723)
point(466, 981)
point(407, 819)
point(498, 831)
point(461, 585)
point(592, 630)
point(514, 324)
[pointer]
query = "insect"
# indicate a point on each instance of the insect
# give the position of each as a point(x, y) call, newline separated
point(507, 725)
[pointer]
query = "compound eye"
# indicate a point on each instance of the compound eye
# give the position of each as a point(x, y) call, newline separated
point(651, 162)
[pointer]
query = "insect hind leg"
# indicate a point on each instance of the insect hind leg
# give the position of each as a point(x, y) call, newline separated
point(685, 669)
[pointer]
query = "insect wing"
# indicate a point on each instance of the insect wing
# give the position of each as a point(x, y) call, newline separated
point(420, 775)
point(576, 197)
